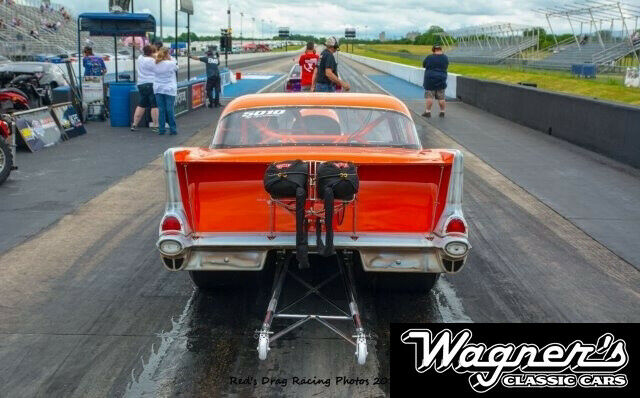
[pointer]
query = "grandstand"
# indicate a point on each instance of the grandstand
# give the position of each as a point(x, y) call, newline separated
point(30, 27)
point(489, 44)
point(602, 32)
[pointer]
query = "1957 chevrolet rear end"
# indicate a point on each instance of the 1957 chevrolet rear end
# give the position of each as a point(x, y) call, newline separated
point(406, 218)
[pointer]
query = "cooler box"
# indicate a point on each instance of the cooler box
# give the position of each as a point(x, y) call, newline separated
point(589, 71)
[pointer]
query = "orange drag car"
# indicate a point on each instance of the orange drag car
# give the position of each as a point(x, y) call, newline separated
point(405, 224)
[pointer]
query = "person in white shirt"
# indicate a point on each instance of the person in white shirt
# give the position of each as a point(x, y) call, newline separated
point(165, 87)
point(145, 66)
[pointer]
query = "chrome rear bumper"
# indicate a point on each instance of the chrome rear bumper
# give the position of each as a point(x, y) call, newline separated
point(378, 252)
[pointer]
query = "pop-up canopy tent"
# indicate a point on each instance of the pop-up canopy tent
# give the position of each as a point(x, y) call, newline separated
point(116, 25)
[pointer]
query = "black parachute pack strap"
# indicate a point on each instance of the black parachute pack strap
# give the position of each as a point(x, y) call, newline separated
point(302, 236)
point(326, 250)
point(288, 180)
point(335, 180)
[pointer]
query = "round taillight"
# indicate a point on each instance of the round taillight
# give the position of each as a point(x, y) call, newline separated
point(171, 224)
point(456, 225)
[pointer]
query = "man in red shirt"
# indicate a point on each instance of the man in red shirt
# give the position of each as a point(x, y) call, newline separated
point(308, 63)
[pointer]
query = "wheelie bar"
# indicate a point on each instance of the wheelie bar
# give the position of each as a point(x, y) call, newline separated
point(266, 336)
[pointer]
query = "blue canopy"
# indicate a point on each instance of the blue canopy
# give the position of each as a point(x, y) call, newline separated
point(116, 24)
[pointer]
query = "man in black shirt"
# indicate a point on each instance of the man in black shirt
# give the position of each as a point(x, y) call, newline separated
point(435, 79)
point(325, 77)
point(213, 77)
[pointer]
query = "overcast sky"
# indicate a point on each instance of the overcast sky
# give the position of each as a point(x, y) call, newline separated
point(330, 17)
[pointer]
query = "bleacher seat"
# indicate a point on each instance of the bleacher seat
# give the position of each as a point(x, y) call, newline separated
point(17, 42)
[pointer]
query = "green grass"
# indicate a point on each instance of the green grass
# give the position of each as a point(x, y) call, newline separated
point(410, 49)
point(607, 87)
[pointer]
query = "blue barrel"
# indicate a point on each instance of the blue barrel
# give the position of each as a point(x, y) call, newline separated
point(119, 94)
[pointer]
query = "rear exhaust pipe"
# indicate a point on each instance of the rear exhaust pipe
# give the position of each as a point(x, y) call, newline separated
point(452, 266)
point(173, 264)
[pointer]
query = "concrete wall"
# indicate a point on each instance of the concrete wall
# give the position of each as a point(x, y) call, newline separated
point(605, 127)
point(411, 74)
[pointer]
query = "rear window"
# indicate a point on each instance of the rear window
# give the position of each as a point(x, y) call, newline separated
point(287, 126)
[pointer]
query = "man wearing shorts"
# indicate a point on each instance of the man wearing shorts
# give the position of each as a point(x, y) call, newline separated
point(144, 70)
point(435, 79)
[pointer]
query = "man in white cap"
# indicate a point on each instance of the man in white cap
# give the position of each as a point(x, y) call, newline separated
point(325, 77)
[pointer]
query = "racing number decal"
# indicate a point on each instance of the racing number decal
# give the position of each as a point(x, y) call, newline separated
point(259, 114)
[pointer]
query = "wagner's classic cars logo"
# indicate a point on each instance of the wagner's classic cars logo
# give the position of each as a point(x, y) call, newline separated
point(587, 365)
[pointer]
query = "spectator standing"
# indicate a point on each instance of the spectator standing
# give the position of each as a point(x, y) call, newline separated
point(435, 79)
point(308, 63)
point(165, 87)
point(326, 77)
point(145, 66)
point(213, 77)
point(93, 65)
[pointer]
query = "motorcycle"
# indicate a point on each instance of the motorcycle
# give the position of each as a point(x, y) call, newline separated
point(27, 85)
point(11, 99)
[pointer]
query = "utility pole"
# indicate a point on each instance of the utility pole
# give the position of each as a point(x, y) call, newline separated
point(176, 39)
point(160, 19)
point(226, 51)
point(133, 49)
point(188, 47)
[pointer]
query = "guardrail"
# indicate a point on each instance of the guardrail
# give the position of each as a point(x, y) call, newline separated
point(408, 73)
point(126, 65)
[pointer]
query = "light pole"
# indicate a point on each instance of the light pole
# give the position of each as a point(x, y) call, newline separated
point(262, 30)
point(253, 22)
point(227, 49)
point(160, 19)
point(133, 48)
point(241, 18)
